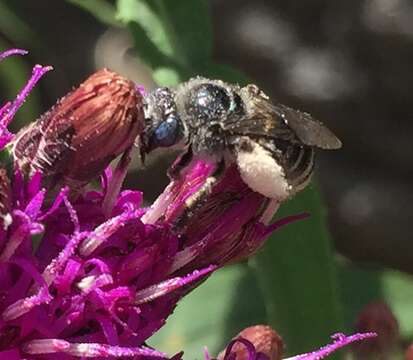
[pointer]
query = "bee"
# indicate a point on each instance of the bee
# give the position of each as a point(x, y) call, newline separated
point(271, 144)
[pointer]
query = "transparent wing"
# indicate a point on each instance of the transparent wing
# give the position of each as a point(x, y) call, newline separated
point(309, 130)
point(282, 122)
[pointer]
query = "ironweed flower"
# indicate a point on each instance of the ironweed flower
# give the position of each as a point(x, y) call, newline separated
point(229, 226)
point(260, 342)
point(97, 275)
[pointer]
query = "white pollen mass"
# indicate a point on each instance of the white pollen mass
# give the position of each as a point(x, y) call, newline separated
point(261, 173)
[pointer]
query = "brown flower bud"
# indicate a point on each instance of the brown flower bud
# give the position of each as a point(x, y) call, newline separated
point(377, 317)
point(264, 339)
point(75, 140)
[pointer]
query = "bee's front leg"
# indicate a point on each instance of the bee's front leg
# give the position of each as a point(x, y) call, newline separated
point(174, 171)
point(197, 199)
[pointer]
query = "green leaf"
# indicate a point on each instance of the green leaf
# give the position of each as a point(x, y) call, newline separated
point(166, 76)
point(358, 287)
point(298, 277)
point(189, 30)
point(364, 285)
point(212, 314)
point(166, 37)
point(14, 28)
point(397, 290)
point(101, 9)
point(139, 12)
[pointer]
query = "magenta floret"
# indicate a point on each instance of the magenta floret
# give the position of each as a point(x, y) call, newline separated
point(9, 109)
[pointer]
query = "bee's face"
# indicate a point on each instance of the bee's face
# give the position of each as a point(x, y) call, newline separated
point(163, 125)
point(196, 112)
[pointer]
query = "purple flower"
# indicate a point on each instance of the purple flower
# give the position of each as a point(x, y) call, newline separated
point(9, 109)
point(229, 226)
point(96, 274)
point(94, 286)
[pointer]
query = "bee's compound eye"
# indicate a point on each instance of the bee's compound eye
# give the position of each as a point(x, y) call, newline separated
point(210, 101)
point(167, 133)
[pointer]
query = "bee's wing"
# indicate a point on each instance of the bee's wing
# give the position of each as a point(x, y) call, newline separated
point(309, 130)
point(282, 122)
point(262, 120)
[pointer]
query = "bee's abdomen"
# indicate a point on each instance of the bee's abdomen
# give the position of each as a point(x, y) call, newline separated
point(298, 166)
point(298, 163)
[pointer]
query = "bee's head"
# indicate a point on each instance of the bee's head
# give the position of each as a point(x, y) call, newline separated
point(163, 126)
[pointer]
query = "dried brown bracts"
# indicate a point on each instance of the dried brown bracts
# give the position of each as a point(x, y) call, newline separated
point(76, 139)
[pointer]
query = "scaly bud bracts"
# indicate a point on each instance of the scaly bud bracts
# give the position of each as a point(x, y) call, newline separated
point(83, 132)
point(264, 339)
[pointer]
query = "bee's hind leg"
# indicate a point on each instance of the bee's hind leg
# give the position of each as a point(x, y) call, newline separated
point(196, 200)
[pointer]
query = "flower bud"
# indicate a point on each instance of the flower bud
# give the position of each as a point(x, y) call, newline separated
point(76, 139)
point(264, 340)
point(377, 317)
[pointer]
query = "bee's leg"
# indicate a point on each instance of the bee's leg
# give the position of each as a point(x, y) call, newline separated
point(181, 163)
point(196, 200)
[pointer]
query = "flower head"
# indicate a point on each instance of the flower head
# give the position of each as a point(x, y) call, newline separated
point(97, 274)
point(230, 225)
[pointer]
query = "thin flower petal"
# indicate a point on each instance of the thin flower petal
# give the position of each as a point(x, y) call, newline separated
point(8, 110)
point(37, 73)
point(12, 52)
point(340, 340)
point(170, 285)
point(89, 350)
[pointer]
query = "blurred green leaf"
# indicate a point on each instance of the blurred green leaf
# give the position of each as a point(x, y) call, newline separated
point(359, 287)
point(149, 52)
point(166, 76)
point(103, 10)
point(212, 314)
point(151, 40)
point(140, 12)
point(14, 28)
point(297, 274)
point(173, 38)
point(189, 30)
point(397, 290)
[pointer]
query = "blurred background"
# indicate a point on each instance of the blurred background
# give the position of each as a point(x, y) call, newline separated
point(348, 63)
